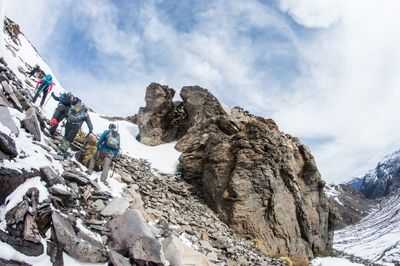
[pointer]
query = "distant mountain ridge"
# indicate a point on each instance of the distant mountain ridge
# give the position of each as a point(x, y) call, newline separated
point(381, 181)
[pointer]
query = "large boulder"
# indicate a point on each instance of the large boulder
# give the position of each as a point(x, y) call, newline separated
point(73, 244)
point(8, 149)
point(48, 175)
point(263, 183)
point(161, 119)
point(179, 254)
point(6, 120)
point(31, 123)
point(131, 236)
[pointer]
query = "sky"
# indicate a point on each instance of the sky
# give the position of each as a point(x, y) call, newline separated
point(325, 71)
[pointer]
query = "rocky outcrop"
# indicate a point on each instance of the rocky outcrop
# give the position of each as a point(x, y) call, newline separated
point(262, 182)
point(161, 119)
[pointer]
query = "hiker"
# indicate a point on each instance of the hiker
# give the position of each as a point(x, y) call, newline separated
point(34, 70)
point(107, 149)
point(43, 86)
point(77, 114)
point(65, 101)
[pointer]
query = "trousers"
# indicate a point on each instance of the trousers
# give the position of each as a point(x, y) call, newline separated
point(107, 159)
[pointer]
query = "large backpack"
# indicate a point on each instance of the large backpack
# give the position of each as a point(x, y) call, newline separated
point(112, 140)
point(47, 80)
point(65, 99)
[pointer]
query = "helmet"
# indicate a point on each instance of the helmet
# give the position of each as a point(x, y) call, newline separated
point(112, 126)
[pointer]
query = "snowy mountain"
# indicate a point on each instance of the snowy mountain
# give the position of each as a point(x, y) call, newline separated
point(146, 215)
point(382, 180)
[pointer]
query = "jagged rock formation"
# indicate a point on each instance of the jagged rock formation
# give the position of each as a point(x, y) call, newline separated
point(350, 203)
point(263, 183)
point(382, 180)
point(160, 120)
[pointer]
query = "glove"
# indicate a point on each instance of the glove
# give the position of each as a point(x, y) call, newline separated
point(52, 94)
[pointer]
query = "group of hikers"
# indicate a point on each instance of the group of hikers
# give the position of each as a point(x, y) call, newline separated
point(75, 112)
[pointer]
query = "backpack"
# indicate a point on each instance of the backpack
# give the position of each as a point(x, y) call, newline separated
point(65, 99)
point(47, 80)
point(112, 141)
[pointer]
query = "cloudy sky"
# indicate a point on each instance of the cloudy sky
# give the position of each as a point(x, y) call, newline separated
point(326, 71)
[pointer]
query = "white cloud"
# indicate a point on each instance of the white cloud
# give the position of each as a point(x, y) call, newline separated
point(37, 18)
point(100, 17)
point(352, 85)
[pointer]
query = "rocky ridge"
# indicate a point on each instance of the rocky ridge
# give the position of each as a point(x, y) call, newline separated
point(261, 182)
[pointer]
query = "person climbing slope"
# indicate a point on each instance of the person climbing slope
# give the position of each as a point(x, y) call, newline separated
point(77, 114)
point(65, 101)
point(108, 148)
point(34, 70)
point(43, 86)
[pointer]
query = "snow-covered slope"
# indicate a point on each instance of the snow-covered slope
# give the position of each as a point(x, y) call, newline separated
point(376, 237)
point(19, 56)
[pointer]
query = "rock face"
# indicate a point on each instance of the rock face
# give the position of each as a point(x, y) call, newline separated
point(263, 183)
point(160, 120)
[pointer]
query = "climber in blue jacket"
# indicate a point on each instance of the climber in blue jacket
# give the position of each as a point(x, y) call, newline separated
point(108, 148)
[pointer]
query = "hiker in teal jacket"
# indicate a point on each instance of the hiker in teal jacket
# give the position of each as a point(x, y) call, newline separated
point(108, 148)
